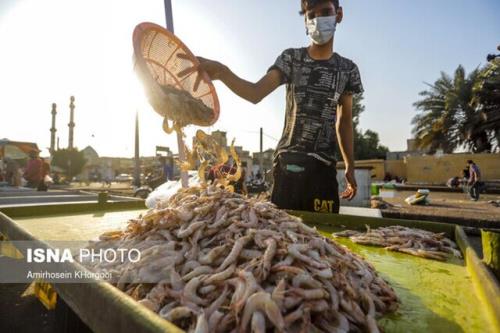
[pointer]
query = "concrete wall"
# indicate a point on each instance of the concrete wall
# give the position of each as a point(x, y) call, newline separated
point(377, 167)
point(437, 170)
point(396, 168)
point(431, 169)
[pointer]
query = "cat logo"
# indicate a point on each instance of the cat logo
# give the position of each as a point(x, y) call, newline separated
point(323, 206)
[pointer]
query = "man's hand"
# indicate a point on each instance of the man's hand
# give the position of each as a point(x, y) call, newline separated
point(213, 69)
point(352, 187)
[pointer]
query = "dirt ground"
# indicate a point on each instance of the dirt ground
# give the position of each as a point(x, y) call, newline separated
point(447, 205)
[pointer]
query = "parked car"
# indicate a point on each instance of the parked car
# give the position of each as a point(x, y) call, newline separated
point(123, 177)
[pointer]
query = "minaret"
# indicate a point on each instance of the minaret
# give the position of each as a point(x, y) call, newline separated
point(71, 124)
point(53, 130)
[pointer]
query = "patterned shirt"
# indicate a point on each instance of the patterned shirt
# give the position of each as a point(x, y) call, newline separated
point(313, 89)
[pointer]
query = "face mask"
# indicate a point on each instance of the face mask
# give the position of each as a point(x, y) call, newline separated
point(321, 29)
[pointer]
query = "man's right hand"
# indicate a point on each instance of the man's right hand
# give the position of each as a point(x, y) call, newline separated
point(213, 69)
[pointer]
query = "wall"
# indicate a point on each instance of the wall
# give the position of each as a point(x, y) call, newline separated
point(431, 169)
point(437, 170)
point(396, 168)
point(377, 167)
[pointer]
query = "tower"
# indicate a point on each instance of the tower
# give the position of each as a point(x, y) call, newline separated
point(71, 124)
point(53, 130)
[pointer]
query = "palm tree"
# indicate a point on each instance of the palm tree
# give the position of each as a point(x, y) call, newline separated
point(448, 118)
point(486, 102)
point(433, 128)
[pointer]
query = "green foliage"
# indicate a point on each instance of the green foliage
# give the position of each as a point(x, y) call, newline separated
point(486, 101)
point(71, 160)
point(452, 112)
point(366, 145)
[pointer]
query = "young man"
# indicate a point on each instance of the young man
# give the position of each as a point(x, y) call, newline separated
point(319, 88)
point(474, 180)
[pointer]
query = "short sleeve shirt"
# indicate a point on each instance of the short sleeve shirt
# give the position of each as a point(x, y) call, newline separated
point(313, 90)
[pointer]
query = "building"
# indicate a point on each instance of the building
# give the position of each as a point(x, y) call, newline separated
point(16, 150)
point(411, 150)
point(99, 168)
point(220, 137)
point(267, 160)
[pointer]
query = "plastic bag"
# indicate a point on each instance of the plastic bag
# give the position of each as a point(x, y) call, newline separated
point(166, 190)
point(48, 180)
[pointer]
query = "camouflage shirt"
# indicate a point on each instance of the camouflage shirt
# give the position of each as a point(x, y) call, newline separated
point(313, 89)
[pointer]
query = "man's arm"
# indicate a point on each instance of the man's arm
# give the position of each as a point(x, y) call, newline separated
point(473, 176)
point(252, 92)
point(345, 137)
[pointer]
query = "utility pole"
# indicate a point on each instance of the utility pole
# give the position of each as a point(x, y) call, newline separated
point(169, 16)
point(53, 130)
point(261, 156)
point(71, 124)
point(137, 164)
point(180, 142)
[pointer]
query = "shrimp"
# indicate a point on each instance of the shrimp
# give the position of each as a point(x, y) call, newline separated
point(262, 301)
point(189, 266)
point(221, 276)
point(218, 302)
point(235, 251)
point(278, 294)
point(190, 229)
point(306, 280)
point(201, 270)
point(201, 324)
point(265, 268)
point(251, 286)
point(295, 251)
point(258, 323)
point(178, 313)
point(214, 319)
point(190, 289)
point(309, 294)
point(211, 256)
point(250, 254)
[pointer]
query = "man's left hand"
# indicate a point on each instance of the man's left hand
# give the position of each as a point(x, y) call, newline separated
point(350, 192)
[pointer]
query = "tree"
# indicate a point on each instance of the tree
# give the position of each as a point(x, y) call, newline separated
point(459, 111)
point(71, 160)
point(486, 102)
point(366, 145)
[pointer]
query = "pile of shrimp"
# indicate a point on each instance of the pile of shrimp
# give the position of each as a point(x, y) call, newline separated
point(416, 242)
point(215, 261)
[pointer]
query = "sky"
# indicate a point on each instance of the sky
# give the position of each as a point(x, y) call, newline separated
point(53, 49)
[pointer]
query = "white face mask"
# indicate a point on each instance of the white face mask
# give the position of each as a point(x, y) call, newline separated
point(321, 29)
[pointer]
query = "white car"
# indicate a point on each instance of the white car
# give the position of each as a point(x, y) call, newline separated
point(169, 188)
point(123, 177)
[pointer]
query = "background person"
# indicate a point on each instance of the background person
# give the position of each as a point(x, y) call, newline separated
point(474, 180)
point(33, 170)
point(44, 176)
point(11, 172)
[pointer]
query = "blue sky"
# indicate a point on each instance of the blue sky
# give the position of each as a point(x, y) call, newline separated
point(84, 48)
